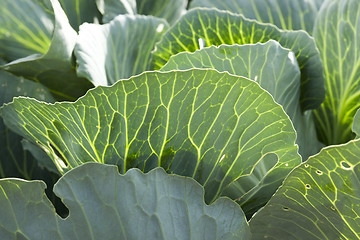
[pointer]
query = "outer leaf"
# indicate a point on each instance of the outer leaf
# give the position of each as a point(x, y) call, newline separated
point(171, 10)
point(120, 49)
point(272, 66)
point(212, 126)
point(291, 15)
point(337, 35)
point(106, 205)
point(319, 199)
point(25, 28)
point(80, 11)
point(219, 27)
point(55, 69)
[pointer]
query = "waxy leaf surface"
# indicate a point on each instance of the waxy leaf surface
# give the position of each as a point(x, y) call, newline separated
point(117, 50)
point(221, 129)
point(106, 205)
point(318, 200)
point(270, 65)
point(216, 27)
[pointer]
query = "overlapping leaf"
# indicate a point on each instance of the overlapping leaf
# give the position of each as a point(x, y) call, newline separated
point(170, 10)
point(291, 15)
point(81, 11)
point(119, 49)
point(219, 27)
point(337, 36)
point(318, 200)
point(52, 66)
point(106, 205)
point(221, 129)
point(14, 162)
point(25, 28)
point(272, 66)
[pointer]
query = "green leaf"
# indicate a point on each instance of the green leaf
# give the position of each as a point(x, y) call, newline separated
point(106, 205)
point(223, 130)
point(55, 69)
point(119, 49)
point(318, 200)
point(25, 28)
point(219, 27)
point(14, 162)
point(291, 15)
point(170, 10)
point(270, 65)
point(356, 123)
point(81, 11)
point(342, 69)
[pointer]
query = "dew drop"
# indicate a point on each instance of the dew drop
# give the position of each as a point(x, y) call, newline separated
point(319, 172)
point(308, 186)
point(306, 165)
point(286, 164)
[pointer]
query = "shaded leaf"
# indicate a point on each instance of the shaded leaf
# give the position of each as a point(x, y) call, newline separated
point(54, 69)
point(120, 49)
point(219, 27)
point(170, 10)
point(81, 11)
point(318, 200)
point(291, 15)
point(14, 162)
point(356, 124)
point(341, 67)
point(106, 205)
point(270, 65)
point(25, 28)
point(212, 126)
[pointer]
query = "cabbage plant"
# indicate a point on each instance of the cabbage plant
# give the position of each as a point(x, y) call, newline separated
point(172, 119)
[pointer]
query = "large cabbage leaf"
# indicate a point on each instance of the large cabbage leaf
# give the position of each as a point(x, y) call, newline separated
point(215, 27)
point(221, 129)
point(106, 205)
point(291, 15)
point(318, 200)
point(336, 33)
point(40, 28)
point(270, 65)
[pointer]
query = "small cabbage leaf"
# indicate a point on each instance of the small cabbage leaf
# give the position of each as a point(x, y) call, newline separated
point(337, 36)
point(223, 130)
point(272, 66)
point(318, 200)
point(32, 26)
point(117, 50)
point(291, 15)
point(217, 27)
point(106, 205)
